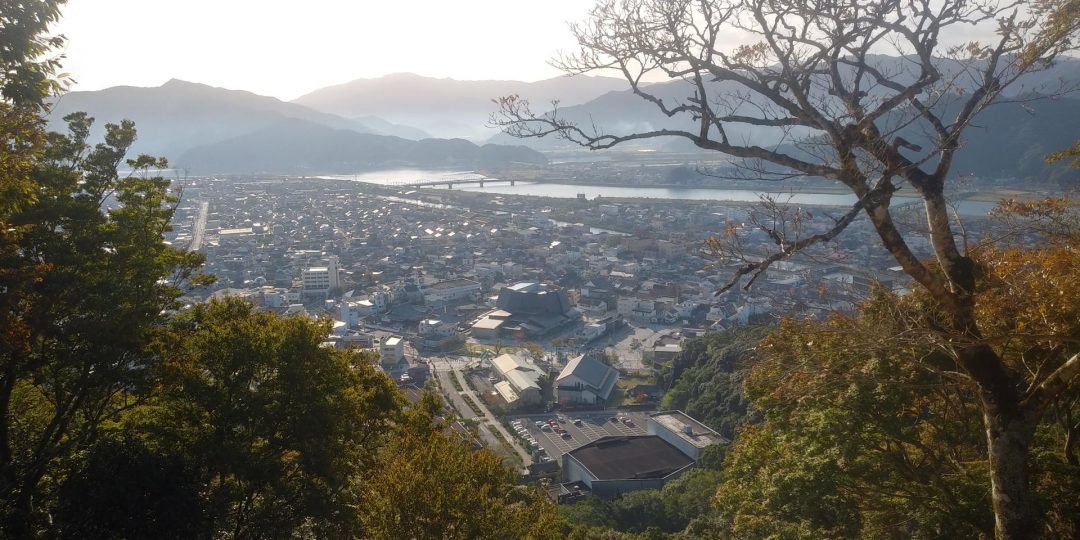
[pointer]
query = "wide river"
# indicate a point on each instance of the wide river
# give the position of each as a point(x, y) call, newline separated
point(404, 177)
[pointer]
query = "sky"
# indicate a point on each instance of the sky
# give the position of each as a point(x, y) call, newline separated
point(287, 48)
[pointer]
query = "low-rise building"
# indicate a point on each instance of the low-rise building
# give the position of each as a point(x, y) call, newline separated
point(522, 378)
point(451, 290)
point(612, 466)
point(688, 435)
point(392, 351)
point(585, 381)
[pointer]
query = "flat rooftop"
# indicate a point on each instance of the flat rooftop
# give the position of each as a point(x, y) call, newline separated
point(687, 428)
point(452, 284)
point(621, 458)
point(488, 324)
point(235, 232)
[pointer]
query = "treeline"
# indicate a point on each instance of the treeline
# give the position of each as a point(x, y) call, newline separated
point(706, 378)
point(125, 414)
point(861, 426)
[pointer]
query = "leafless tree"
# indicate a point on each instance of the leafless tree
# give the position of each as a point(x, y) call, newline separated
point(863, 93)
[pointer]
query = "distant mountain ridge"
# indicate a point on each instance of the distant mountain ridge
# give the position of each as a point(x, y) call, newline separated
point(186, 121)
point(1007, 140)
point(296, 146)
point(447, 107)
point(179, 115)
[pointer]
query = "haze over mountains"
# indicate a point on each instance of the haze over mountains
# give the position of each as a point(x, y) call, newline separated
point(393, 121)
point(1009, 139)
point(185, 121)
point(448, 107)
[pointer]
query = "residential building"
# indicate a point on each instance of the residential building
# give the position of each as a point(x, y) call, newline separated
point(392, 351)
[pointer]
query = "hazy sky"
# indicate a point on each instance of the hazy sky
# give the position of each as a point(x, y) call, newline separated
point(286, 48)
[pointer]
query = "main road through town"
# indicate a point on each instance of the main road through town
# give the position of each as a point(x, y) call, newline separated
point(444, 369)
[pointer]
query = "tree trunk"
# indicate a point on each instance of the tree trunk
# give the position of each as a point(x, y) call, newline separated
point(1008, 439)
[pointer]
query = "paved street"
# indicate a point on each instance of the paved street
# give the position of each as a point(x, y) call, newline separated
point(199, 229)
point(493, 422)
point(445, 370)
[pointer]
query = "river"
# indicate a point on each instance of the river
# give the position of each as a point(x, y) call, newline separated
point(967, 208)
point(403, 177)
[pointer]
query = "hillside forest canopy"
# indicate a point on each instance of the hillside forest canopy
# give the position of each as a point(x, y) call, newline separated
point(951, 411)
point(814, 72)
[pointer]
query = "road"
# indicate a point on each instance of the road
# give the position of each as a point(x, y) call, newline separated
point(200, 226)
point(493, 422)
point(445, 370)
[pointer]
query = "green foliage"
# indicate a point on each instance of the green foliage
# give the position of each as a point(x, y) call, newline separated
point(124, 490)
point(276, 424)
point(859, 441)
point(428, 483)
point(96, 277)
point(649, 513)
point(708, 378)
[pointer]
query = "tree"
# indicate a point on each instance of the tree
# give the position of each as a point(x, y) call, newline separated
point(815, 77)
point(75, 352)
point(429, 483)
point(277, 425)
point(125, 490)
point(706, 378)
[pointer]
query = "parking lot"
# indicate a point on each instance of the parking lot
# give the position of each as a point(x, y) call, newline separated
point(593, 426)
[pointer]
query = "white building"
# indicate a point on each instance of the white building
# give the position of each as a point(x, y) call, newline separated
point(585, 380)
point(434, 328)
point(634, 308)
point(353, 310)
point(522, 378)
point(392, 351)
point(683, 432)
point(451, 290)
point(321, 279)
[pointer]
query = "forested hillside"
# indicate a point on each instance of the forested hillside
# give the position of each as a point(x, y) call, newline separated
point(123, 415)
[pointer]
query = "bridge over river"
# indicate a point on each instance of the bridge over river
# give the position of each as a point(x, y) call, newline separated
point(449, 182)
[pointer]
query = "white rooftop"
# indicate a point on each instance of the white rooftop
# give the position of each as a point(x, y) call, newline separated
point(687, 428)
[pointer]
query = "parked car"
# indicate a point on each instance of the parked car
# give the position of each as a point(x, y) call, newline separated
point(566, 435)
point(577, 421)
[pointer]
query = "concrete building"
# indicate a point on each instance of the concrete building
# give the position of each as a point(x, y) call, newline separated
point(585, 381)
point(451, 290)
point(611, 466)
point(392, 350)
point(521, 377)
point(436, 333)
point(688, 435)
point(320, 280)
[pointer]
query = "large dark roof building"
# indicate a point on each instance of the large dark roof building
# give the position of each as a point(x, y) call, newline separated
point(610, 466)
point(527, 310)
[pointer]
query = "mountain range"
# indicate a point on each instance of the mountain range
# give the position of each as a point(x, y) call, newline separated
point(448, 107)
point(394, 121)
point(1008, 139)
point(214, 130)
